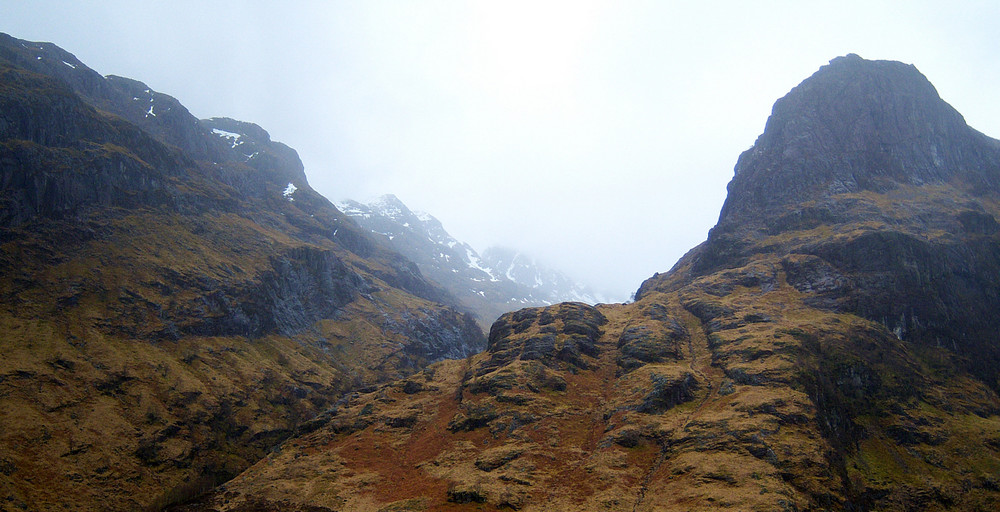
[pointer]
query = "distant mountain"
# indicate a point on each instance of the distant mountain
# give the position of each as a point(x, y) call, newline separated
point(174, 297)
point(831, 346)
point(498, 281)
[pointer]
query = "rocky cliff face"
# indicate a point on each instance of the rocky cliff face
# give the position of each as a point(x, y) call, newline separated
point(857, 126)
point(499, 281)
point(829, 347)
point(176, 298)
point(866, 170)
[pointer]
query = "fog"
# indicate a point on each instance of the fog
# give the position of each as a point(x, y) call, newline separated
point(596, 136)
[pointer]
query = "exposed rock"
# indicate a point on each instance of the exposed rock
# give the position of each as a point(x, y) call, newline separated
point(668, 391)
point(565, 333)
point(857, 125)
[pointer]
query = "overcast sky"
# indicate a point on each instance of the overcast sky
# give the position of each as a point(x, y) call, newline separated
point(596, 136)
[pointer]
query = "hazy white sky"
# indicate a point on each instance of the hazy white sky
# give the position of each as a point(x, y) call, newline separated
point(596, 136)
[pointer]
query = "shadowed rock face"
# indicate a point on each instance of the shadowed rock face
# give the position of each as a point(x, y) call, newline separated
point(857, 125)
point(172, 307)
point(831, 346)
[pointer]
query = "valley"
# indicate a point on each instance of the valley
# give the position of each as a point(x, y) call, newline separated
point(187, 325)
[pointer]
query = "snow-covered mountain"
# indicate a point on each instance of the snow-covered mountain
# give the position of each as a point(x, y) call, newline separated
point(498, 281)
point(526, 271)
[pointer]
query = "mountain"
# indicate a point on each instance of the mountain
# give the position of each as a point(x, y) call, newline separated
point(499, 281)
point(831, 346)
point(175, 298)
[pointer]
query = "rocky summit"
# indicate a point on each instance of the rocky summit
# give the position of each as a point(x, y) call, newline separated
point(831, 346)
point(174, 298)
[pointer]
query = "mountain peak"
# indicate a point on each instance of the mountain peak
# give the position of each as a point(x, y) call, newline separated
point(857, 125)
point(490, 284)
point(390, 206)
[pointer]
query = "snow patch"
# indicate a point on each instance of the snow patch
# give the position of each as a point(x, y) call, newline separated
point(350, 210)
point(388, 206)
point(233, 138)
point(476, 263)
point(289, 190)
point(68, 64)
point(150, 111)
point(509, 276)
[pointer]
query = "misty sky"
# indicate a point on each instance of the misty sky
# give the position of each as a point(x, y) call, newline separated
point(596, 136)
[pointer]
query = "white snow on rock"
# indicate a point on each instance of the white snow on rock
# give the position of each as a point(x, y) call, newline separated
point(476, 263)
point(68, 64)
point(351, 210)
point(289, 190)
point(387, 207)
point(233, 138)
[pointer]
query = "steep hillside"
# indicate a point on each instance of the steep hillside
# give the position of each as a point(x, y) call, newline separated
point(499, 281)
point(830, 347)
point(175, 297)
